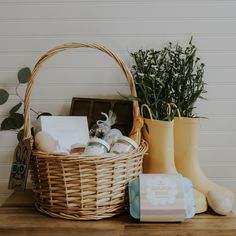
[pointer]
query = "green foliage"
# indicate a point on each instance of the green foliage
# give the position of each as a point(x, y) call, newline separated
point(152, 80)
point(20, 134)
point(3, 96)
point(19, 118)
point(9, 123)
point(15, 108)
point(44, 114)
point(170, 75)
point(188, 84)
point(15, 120)
point(24, 75)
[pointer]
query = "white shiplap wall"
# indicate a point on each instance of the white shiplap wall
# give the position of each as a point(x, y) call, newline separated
point(30, 27)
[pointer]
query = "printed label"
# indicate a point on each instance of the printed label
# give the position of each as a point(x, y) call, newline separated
point(161, 197)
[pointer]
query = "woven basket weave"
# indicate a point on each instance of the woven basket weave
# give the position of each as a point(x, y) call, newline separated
point(83, 188)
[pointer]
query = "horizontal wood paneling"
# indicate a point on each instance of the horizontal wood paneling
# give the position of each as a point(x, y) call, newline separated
point(218, 123)
point(213, 171)
point(218, 139)
point(87, 58)
point(79, 10)
point(214, 77)
point(121, 26)
point(59, 91)
point(4, 187)
point(36, 44)
point(31, 27)
point(8, 140)
point(216, 107)
point(3, 197)
point(228, 183)
point(80, 75)
point(5, 171)
point(77, 88)
point(213, 154)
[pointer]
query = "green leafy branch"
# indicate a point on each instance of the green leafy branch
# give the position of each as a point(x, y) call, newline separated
point(15, 119)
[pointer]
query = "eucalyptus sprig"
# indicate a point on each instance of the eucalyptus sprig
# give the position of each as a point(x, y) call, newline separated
point(15, 119)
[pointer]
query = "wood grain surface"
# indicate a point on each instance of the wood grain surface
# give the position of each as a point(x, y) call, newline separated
point(26, 221)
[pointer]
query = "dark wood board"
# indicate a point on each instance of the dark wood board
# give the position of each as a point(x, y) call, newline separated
point(92, 108)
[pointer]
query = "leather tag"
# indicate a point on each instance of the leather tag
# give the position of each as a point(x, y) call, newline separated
point(20, 165)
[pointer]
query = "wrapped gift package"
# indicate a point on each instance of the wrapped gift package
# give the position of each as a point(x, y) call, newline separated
point(161, 198)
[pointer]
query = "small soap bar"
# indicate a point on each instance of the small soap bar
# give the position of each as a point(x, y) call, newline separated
point(134, 198)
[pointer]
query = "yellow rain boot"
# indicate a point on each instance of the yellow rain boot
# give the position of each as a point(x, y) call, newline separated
point(160, 159)
point(186, 132)
point(159, 135)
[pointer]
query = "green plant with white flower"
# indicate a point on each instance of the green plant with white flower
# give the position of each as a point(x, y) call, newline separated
point(188, 85)
point(152, 80)
point(172, 75)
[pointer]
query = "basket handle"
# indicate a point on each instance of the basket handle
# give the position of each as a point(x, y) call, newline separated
point(137, 119)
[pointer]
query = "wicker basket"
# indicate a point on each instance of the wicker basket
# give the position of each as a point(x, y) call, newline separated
point(82, 188)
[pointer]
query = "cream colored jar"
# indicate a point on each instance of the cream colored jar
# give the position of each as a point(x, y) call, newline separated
point(124, 145)
point(96, 147)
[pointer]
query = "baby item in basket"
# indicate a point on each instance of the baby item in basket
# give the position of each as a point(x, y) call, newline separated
point(123, 145)
point(96, 147)
point(44, 142)
point(102, 127)
point(162, 200)
point(77, 149)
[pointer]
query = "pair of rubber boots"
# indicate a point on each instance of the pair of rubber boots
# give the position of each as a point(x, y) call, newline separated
point(173, 147)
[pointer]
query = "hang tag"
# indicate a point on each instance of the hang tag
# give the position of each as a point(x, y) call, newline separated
point(20, 164)
point(161, 198)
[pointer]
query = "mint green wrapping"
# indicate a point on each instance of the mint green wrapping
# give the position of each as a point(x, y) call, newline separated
point(134, 198)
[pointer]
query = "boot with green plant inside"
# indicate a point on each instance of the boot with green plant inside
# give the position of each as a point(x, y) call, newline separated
point(187, 87)
point(152, 77)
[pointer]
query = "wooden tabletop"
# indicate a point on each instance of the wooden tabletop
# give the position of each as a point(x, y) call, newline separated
point(18, 217)
point(24, 221)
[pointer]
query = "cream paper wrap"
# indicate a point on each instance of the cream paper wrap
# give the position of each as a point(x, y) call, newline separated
point(161, 198)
